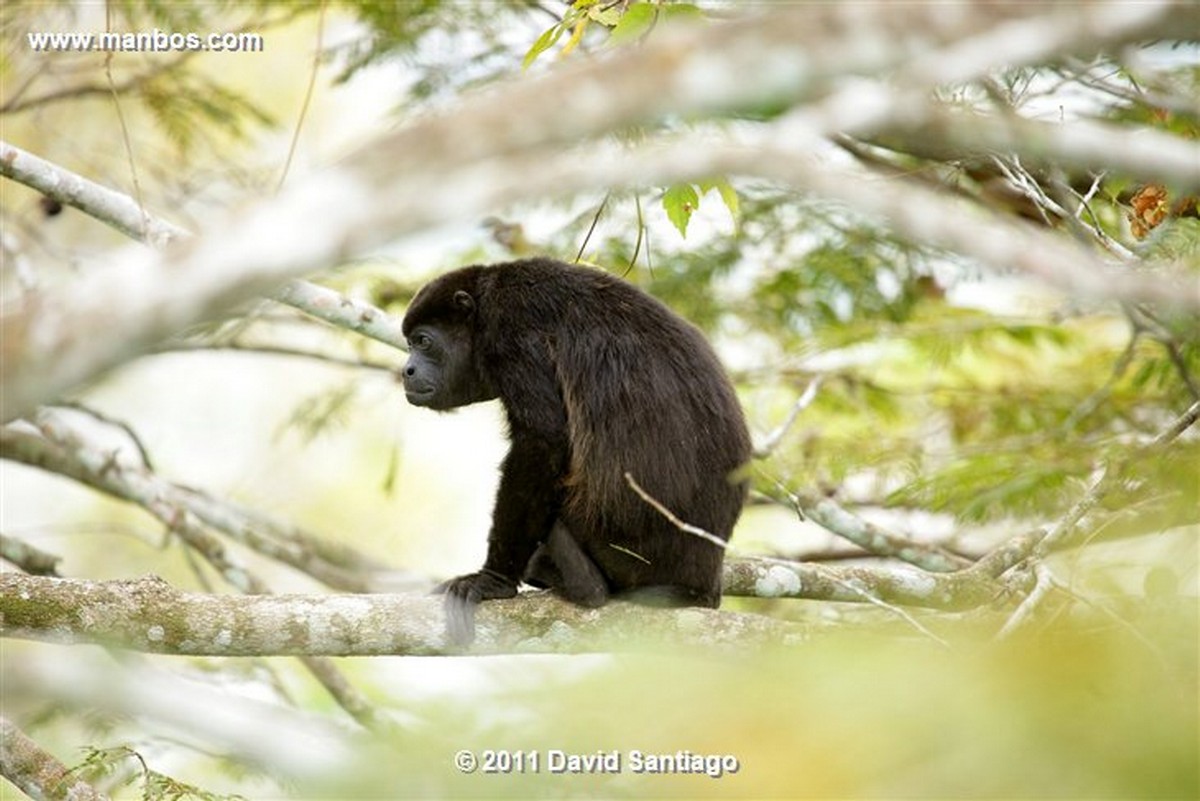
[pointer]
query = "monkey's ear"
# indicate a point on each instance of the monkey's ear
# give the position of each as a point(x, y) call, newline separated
point(463, 301)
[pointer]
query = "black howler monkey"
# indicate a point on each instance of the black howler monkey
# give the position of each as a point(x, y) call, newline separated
point(597, 380)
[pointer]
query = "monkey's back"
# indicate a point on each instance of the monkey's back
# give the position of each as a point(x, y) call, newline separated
point(645, 395)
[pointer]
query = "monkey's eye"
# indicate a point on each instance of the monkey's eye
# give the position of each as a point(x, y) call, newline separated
point(420, 341)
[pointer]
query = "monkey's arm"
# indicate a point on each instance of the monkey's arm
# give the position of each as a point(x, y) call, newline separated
point(527, 505)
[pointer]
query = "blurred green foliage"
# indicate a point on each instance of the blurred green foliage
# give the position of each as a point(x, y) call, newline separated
point(1081, 708)
point(985, 413)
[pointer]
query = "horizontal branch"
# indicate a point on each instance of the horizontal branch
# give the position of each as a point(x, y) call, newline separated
point(149, 615)
point(894, 584)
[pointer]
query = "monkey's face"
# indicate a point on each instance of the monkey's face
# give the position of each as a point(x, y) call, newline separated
point(440, 372)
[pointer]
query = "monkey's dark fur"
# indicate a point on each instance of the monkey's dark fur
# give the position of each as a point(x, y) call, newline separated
point(598, 380)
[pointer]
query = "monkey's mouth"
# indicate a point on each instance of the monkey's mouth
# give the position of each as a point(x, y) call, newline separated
point(419, 395)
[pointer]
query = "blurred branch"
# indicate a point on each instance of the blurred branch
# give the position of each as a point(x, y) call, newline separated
point(919, 214)
point(120, 284)
point(439, 169)
point(16, 104)
point(32, 560)
point(947, 133)
point(123, 213)
point(286, 741)
point(106, 205)
point(794, 54)
point(1078, 70)
point(59, 450)
point(36, 772)
point(1044, 582)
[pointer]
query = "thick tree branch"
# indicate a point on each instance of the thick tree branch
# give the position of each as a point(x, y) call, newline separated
point(149, 615)
point(893, 584)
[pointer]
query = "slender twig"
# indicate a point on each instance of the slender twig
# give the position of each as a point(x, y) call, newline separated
point(592, 228)
point(828, 514)
point(177, 346)
point(896, 610)
point(1044, 582)
point(772, 440)
point(135, 440)
point(308, 95)
point(669, 515)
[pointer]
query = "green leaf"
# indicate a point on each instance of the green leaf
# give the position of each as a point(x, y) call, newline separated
point(544, 42)
point(634, 24)
point(680, 201)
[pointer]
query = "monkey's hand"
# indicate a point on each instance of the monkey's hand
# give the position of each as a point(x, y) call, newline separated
point(464, 593)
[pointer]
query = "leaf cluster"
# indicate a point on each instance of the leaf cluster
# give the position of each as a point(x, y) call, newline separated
point(109, 763)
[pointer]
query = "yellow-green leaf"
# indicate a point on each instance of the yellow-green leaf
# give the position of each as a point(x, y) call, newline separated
point(544, 42)
point(635, 23)
point(680, 201)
